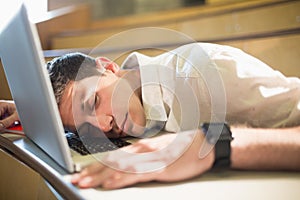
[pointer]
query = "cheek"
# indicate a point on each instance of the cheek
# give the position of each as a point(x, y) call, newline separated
point(105, 105)
point(119, 108)
point(120, 101)
point(104, 108)
point(136, 111)
point(67, 119)
point(76, 117)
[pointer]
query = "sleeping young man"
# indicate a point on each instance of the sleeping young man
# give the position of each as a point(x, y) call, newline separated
point(199, 91)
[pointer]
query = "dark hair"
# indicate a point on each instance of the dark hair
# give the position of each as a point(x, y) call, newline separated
point(69, 67)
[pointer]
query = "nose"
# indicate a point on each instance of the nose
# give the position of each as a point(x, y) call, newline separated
point(102, 121)
point(105, 122)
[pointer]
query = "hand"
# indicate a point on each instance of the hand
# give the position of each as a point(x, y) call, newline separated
point(8, 114)
point(166, 158)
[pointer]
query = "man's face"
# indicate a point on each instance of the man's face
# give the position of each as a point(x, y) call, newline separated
point(106, 102)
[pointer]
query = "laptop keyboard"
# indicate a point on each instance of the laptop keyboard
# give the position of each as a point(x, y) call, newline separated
point(90, 145)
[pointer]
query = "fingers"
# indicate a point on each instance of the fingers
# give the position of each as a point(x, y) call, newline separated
point(121, 180)
point(8, 114)
point(92, 176)
point(10, 120)
point(99, 175)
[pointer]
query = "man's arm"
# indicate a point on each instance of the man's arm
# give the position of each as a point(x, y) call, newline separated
point(266, 149)
point(252, 149)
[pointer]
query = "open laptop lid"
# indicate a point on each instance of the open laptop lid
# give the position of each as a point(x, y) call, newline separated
point(24, 66)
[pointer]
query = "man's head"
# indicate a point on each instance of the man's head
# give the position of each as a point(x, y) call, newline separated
point(84, 89)
point(66, 68)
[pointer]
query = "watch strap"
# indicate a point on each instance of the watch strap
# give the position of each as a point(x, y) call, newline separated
point(222, 154)
point(219, 134)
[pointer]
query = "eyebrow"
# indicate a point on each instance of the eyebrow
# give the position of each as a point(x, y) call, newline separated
point(82, 99)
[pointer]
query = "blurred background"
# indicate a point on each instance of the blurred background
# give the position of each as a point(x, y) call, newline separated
point(266, 29)
point(102, 9)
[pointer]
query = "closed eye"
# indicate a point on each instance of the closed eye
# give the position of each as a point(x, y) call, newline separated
point(93, 102)
point(96, 99)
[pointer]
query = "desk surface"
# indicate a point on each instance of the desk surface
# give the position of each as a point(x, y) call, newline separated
point(214, 185)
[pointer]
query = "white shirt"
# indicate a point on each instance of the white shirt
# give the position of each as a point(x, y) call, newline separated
point(202, 82)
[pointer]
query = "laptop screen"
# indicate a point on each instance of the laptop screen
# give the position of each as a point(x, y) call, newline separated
point(24, 66)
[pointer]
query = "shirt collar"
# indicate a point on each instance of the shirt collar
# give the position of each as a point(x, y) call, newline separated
point(151, 89)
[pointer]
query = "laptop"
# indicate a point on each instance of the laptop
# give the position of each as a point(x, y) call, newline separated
point(24, 66)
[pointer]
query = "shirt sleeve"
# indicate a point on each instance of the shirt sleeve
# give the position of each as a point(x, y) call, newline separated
point(256, 94)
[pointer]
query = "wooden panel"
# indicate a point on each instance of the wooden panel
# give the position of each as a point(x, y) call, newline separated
point(72, 18)
point(20, 182)
point(155, 18)
point(281, 53)
point(264, 19)
point(4, 89)
point(242, 22)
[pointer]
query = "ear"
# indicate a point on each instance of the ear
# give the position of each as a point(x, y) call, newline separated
point(103, 62)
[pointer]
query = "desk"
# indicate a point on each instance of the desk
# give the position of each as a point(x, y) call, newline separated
point(221, 185)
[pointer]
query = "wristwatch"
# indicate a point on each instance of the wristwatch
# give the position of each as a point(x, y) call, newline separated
point(219, 134)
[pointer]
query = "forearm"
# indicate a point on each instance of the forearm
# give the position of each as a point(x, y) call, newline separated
point(266, 149)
